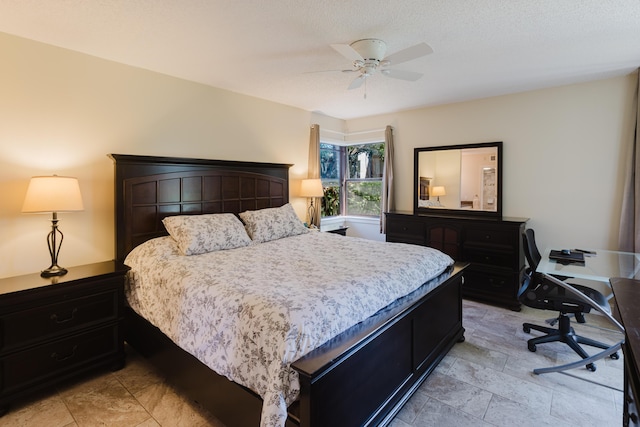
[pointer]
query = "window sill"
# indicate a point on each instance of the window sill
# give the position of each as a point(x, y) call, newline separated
point(346, 219)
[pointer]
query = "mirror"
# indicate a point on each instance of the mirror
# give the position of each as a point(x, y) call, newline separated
point(459, 179)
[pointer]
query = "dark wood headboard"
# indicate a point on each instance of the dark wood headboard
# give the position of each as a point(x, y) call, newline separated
point(148, 189)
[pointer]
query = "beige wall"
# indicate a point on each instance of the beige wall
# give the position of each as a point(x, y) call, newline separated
point(62, 112)
point(564, 151)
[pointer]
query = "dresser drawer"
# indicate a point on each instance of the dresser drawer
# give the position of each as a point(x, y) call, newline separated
point(488, 256)
point(490, 235)
point(405, 231)
point(37, 364)
point(44, 321)
point(487, 281)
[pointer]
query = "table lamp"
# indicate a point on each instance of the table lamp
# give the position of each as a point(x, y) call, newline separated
point(311, 188)
point(53, 194)
point(438, 191)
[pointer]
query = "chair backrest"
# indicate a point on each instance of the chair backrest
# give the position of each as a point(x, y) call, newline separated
point(538, 292)
point(531, 251)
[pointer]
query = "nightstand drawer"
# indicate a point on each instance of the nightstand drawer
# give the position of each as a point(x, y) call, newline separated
point(43, 321)
point(37, 364)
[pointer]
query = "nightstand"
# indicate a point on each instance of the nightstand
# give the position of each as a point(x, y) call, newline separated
point(53, 329)
point(337, 229)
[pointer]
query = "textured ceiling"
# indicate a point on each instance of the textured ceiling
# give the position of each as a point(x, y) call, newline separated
point(280, 49)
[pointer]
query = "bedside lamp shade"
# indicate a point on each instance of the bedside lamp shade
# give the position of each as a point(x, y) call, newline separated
point(311, 188)
point(53, 194)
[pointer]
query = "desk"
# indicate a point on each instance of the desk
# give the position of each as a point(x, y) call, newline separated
point(599, 267)
point(627, 292)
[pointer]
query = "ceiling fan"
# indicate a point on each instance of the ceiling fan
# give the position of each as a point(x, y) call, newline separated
point(368, 58)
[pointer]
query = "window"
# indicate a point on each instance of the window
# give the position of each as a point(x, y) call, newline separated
point(358, 170)
point(330, 171)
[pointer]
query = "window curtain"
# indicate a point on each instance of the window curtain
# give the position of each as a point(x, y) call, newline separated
point(387, 202)
point(314, 169)
point(629, 238)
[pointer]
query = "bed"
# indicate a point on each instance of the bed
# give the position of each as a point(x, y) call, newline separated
point(360, 376)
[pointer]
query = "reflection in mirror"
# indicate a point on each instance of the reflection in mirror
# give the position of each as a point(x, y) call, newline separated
point(460, 178)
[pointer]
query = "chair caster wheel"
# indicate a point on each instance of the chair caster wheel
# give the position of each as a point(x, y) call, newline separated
point(532, 347)
point(591, 367)
point(615, 356)
point(526, 329)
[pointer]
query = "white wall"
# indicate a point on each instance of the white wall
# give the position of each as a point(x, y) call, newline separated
point(63, 112)
point(564, 152)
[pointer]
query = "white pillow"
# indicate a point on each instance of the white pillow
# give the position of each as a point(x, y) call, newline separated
point(273, 223)
point(198, 234)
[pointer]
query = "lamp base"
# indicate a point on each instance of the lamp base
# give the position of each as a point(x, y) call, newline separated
point(54, 270)
point(54, 249)
point(312, 215)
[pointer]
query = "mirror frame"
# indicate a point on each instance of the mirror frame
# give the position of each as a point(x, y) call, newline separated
point(459, 211)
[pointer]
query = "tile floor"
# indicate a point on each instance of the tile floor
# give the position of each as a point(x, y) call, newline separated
point(484, 381)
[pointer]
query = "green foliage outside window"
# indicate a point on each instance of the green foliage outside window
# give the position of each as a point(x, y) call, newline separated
point(331, 201)
point(363, 198)
point(374, 154)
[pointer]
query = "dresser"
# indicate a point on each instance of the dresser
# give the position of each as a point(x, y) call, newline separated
point(53, 329)
point(493, 247)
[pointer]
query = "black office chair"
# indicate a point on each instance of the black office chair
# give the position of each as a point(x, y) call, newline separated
point(533, 256)
point(539, 292)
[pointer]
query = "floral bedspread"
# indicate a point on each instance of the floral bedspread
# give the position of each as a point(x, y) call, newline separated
point(249, 312)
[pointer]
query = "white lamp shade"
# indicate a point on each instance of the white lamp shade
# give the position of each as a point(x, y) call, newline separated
point(311, 188)
point(438, 191)
point(53, 194)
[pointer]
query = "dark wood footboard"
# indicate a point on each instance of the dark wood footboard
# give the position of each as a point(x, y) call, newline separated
point(364, 376)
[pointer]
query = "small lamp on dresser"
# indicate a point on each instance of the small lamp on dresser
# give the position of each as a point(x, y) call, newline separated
point(53, 194)
point(438, 191)
point(311, 188)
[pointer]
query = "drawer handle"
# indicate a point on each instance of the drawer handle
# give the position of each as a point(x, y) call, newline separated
point(62, 357)
point(69, 318)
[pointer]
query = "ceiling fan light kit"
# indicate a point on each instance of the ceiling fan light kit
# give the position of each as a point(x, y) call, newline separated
point(368, 56)
point(371, 49)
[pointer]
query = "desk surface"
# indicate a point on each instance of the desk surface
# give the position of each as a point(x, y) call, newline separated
point(601, 266)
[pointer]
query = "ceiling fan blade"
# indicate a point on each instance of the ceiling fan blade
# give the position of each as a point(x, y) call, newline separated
point(357, 82)
point(329, 71)
point(409, 53)
point(412, 76)
point(348, 52)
